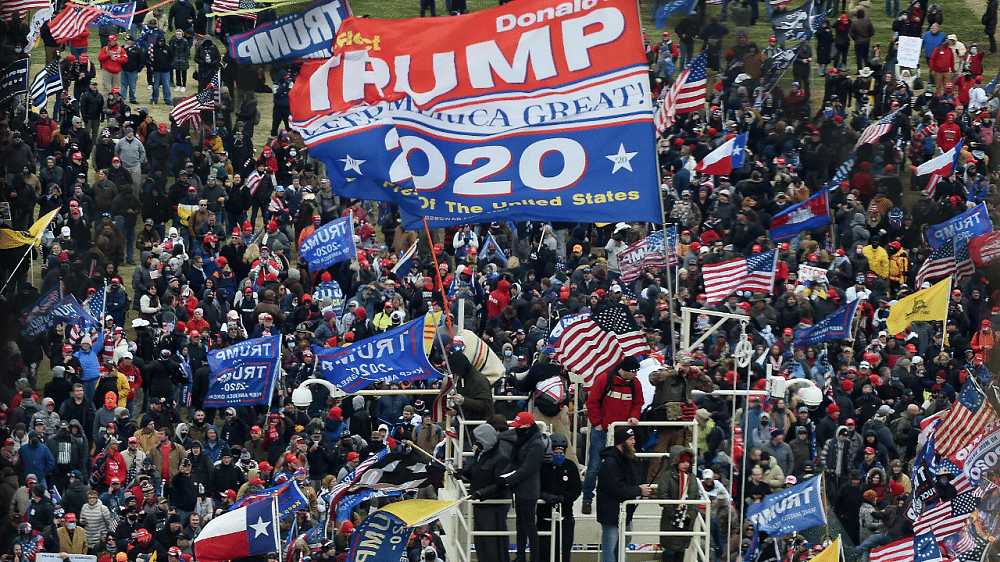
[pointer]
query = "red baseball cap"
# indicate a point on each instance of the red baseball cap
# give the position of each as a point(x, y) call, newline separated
point(523, 419)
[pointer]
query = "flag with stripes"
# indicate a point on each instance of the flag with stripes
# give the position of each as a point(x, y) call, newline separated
point(919, 548)
point(402, 267)
point(842, 172)
point(966, 418)
point(72, 22)
point(946, 518)
point(96, 304)
point(932, 184)
point(875, 131)
point(648, 252)
point(47, 82)
point(618, 321)
point(964, 268)
point(670, 243)
point(985, 487)
point(223, 7)
point(687, 94)
point(589, 345)
point(753, 273)
point(817, 21)
point(11, 8)
point(214, 85)
point(192, 106)
point(253, 181)
point(941, 263)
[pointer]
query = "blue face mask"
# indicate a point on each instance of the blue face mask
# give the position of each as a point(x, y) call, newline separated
point(557, 460)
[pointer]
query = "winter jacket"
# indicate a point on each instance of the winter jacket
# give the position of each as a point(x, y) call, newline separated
point(111, 58)
point(617, 481)
point(525, 463)
point(620, 404)
point(677, 517)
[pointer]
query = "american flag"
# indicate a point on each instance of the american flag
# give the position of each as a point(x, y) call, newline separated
point(192, 106)
point(966, 418)
point(216, 86)
point(253, 181)
point(931, 188)
point(72, 22)
point(686, 95)
point(919, 548)
point(875, 131)
point(817, 21)
point(589, 345)
point(671, 244)
point(48, 82)
point(11, 8)
point(648, 252)
point(753, 273)
point(975, 553)
point(222, 7)
point(985, 487)
point(946, 518)
point(95, 305)
point(964, 268)
point(941, 263)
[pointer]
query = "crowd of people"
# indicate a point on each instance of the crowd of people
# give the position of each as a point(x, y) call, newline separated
point(110, 450)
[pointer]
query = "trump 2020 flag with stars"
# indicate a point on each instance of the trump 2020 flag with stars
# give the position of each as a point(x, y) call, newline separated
point(331, 243)
point(792, 509)
point(807, 215)
point(243, 532)
point(974, 222)
point(245, 373)
point(115, 14)
point(836, 326)
point(534, 110)
point(724, 159)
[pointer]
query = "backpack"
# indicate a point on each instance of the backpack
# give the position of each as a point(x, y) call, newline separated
point(551, 395)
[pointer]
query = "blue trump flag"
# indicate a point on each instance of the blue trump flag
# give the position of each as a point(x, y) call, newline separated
point(329, 244)
point(330, 289)
point(683, 6)
point(303, 34)
point(393, 356)
point(836, 326)
point(381, 536)
point(290, 498)
point(70, 311)
point(36, 318)
point(807, 215)
point(245, 373)
point(115, 14)
point(972, 223)
point(792, 509)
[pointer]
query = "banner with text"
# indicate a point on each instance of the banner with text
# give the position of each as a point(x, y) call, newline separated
point(792, 509)
point(971, 223)
point(393, 356)
point(244, 374)
point(36, 319)
point(985, 455)
point(331, 290)
point(329, 244)
point(306, 34)
point(537, 110)
point(985, 248)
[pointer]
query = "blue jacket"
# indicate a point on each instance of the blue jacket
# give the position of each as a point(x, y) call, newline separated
point(214, 448)
point(89, 362)
point(37, 460)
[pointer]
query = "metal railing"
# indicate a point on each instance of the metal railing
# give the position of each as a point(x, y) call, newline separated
point(700, 533)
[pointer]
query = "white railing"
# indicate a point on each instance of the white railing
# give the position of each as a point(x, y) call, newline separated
point(700, 534)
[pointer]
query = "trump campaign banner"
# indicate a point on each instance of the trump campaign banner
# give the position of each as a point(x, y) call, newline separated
point(329, 244)
point(36, 318)
point(985, 454)
point(244, 374)
point(792, 509)
point(971, 223)
point(393, 356)
point(534, 110)
point(331, 290)
point(300, 35)
point(290, 498)
point(115, 14)
point(985, 248)
point(836, 326)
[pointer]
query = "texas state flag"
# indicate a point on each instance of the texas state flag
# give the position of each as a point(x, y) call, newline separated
point(724, 159)
point(807, 215)
point(941, 165)
point(242, 532)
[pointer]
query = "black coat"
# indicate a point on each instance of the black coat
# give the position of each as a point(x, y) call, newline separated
point(618, 480)
point(526, 462)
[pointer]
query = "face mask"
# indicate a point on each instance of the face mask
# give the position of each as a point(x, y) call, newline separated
point(859, 251)
point(507, 353)
point(557, 460)
point(71, 526)
point(17, 49)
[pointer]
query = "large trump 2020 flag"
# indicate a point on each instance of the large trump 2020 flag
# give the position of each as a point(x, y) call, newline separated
point(246, 531)
point(534, 110)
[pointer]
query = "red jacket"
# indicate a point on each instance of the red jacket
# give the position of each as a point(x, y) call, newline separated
point(115, 467)
point(942, 60)
point(619, 405)
point(112, 58)
point(948, 136)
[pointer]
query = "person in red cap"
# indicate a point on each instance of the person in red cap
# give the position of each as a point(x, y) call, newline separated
point(112, 57)
point(983, 341)
point(522, 476)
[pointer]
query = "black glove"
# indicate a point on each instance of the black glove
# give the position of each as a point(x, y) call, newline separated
point(552, 499)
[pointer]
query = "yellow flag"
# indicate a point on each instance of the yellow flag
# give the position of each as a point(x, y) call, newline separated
point(830, 553)
point(928, 304)
point(419, 512)
point(17, 238)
